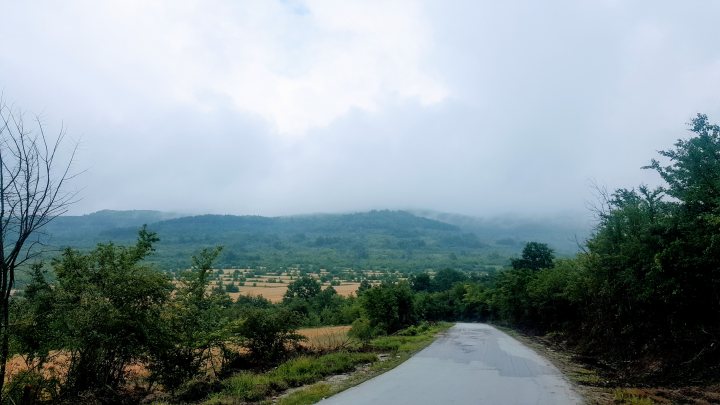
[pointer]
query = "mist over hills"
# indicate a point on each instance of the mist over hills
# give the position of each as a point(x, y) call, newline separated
point(563, 232)
point(377, 239)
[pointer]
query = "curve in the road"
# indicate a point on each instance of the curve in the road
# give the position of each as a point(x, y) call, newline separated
point(469, 364)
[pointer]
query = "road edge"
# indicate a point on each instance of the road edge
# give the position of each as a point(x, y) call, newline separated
point(329, 387)
point(586, 382)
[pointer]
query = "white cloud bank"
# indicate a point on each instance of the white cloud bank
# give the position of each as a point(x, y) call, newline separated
point(297, 65)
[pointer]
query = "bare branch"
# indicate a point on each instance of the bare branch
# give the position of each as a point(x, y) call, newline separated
point(32, 194)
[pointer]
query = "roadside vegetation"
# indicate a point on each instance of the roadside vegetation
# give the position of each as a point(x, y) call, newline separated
point(644, 296)
point(376, 356)
point(108, 328)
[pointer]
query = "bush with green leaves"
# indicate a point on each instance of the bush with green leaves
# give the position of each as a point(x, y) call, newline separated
point(102, 310)
point(267, 333)
point(389, 306)
point(362, 330)
point(191, 326)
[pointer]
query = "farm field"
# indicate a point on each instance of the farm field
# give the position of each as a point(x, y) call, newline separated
point(274, 293)
point(321, 339)
point(273, 285)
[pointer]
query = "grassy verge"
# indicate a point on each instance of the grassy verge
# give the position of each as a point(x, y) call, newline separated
point(299, 371)
point(309, 395)
point(303, 370)
point(399, 348)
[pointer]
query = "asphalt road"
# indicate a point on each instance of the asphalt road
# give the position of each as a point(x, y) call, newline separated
point(471, 364)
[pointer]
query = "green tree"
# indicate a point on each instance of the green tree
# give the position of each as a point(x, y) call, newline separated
point(654, 262)
point(327, 298)
point(558, 295)
point(266, 332)
point(191, 326)
point(445, 278)
point(362, 330)
point(103, 309)
point(31, 335)
point(509, 298)
point(421, 282)
point(364, 286)
point(434, 306)
point(389, 306)
point(693, 172)
point(304, 287)
point(535, 256)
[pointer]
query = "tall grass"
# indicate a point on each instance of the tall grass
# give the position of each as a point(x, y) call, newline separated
point(627, 397)
point(304, 369)
point(247, 386)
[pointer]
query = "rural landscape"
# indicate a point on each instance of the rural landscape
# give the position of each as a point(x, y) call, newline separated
point(303, 201)
point(292, 301)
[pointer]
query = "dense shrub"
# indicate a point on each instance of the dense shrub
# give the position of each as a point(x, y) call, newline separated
point(267, 333)
point(102, 310)
point(389, 306)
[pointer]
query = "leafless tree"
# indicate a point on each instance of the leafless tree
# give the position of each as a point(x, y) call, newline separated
point(33, 183)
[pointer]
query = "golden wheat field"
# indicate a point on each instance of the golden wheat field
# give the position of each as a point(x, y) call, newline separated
point(326, 338)
point(275, 292)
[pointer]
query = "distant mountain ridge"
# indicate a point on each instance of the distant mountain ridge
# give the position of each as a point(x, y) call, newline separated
point(111, 225)
point(379, 238)
point(70, 225)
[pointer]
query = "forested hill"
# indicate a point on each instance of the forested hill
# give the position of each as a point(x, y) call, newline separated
point(375, 239)
point(87, 229)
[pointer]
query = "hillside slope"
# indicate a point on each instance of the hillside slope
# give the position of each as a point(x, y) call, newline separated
point(375, 239)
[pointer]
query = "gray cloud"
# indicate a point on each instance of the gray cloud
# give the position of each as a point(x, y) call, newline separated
point(475, 107)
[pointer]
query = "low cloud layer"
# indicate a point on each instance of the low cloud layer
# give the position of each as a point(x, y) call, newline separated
point(313, 106)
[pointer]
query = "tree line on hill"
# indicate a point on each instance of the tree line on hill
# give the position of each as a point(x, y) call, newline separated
point(388, 240)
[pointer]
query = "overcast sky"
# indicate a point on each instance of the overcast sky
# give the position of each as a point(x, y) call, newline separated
point(284, 107)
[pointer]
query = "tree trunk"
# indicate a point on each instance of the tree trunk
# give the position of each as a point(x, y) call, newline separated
point(4, 321)
point(5, 350)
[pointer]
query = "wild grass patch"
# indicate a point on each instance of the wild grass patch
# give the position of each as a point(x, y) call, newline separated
point(627, 397)
point(308, 369)
point(309, 395)
point(247, 386)
point(409, 340)
point(305, 369)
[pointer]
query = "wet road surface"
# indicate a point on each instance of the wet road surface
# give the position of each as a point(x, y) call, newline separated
point(470, 364)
